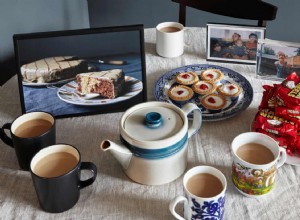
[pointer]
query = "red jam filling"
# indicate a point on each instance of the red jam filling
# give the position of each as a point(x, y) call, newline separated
point(203, 87)
point(185, 76)
point(211, 100)
point(231, 87)
point(210, 75)
point(180, 92)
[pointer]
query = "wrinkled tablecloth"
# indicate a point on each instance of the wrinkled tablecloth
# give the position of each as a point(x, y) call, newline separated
point(113, 195)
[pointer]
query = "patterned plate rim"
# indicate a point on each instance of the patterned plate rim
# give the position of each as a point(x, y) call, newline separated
point(243, 82)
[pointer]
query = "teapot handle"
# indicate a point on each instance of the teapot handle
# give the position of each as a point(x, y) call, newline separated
point(197, 117)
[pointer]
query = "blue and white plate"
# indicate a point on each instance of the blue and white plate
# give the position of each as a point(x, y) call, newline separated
point(164, 83)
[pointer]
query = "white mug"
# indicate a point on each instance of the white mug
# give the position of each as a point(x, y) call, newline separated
point(195, 207)
point(170, 39)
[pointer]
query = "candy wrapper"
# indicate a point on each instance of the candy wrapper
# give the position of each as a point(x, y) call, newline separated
point(268, 121)
point(288, 93)
point(279, 113)
point(291, 113)
point(269, 100)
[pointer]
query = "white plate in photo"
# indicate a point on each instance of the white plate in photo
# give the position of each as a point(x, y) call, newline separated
point(68, 93)
point(166, 81)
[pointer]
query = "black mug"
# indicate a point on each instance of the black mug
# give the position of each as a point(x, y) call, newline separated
point(55, 171)
point(29, 133)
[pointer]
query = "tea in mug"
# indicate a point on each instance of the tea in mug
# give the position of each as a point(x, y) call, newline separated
point(32, 128)
point(204, 185)
point(55, 164)
point(255, 153)
point(170, 29)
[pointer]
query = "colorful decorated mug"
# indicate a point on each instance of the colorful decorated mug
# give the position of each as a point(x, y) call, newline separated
point(256, 158)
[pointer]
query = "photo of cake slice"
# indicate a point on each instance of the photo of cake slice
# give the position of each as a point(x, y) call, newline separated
point(108, 84)
point(53, 69)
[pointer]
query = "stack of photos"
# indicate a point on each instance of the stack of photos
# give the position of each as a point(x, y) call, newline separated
point(277, 59)
point(232, 43)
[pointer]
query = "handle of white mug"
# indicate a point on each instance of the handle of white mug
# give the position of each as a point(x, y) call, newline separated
point(173, 205)
point(282, 157)
point(197, 117)
point(189, 37)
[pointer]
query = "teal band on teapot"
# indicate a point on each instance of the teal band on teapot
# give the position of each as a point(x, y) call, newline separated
point(156, 153)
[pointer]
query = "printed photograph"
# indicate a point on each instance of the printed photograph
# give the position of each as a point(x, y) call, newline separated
point(277, 59)
point(86, 71)
point(233, 43)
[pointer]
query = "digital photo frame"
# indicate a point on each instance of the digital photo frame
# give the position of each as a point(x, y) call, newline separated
point(81, 72)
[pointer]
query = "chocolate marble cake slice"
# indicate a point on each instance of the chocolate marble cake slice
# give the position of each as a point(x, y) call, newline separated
point(53, 69)
point(109, 84)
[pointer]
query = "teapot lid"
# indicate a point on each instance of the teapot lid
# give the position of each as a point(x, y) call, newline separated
point(153, 123)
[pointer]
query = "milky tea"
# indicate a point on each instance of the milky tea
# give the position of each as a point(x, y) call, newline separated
point(55, 164)
point(255, 153)
point(204, 185)
point(33, 128)
point(170, 29)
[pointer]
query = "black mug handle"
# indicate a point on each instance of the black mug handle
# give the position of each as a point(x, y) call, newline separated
point(7, 140)
point(91, 167)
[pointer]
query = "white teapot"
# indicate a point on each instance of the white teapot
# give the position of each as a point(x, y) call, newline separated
point(155, 138)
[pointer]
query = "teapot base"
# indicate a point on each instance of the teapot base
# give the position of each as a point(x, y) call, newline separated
point(158, 171)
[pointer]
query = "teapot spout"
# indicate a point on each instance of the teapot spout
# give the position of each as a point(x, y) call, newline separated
point(120, 152)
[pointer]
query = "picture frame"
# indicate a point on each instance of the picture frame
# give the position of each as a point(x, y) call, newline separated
point(277, 59)
point(81, 72)
point(233, 43)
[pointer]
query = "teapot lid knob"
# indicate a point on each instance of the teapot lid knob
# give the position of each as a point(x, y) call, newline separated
point(153, 119)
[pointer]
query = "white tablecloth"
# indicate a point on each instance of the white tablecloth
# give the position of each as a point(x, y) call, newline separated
point(113, 195)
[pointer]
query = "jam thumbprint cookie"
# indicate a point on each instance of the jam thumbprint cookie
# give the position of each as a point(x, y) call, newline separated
point(187, 78)
point(212, 75)
point(204, 87)
point(180, 93)
point(229, 90)
point(213, 102)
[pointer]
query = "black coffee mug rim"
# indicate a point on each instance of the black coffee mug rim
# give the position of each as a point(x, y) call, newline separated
point(65, 174)
point(41, 135)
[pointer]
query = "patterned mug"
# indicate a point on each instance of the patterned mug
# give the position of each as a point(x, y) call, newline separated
point(205, 202)
point(254, 169)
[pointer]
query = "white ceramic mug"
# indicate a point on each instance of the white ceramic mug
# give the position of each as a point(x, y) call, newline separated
point(170, 43)
point(255, 180)
point(196, 207)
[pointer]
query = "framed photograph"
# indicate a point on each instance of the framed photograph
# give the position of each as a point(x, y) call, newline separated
point(233, 43)
point(277, 59)
point(81, 72)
